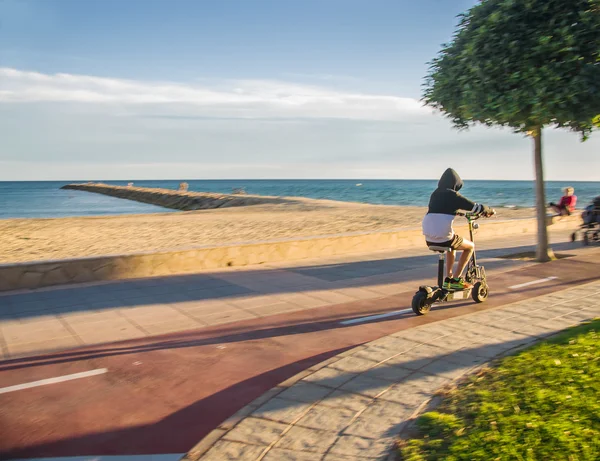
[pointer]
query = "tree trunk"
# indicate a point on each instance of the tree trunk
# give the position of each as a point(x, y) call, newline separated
point(543, 253)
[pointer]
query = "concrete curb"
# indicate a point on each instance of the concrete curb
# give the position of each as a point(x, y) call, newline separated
point(355, 405)
point(32, 275)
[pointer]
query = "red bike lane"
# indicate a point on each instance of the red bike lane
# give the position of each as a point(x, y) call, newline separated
point(163, 394)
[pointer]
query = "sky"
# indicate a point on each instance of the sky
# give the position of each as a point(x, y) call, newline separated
point(255, 89)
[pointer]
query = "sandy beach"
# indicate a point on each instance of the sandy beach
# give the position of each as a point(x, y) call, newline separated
point(42, 239)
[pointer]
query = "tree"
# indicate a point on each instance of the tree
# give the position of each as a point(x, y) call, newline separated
point(523, 64)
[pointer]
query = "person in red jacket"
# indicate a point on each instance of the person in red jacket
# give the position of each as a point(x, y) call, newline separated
point(567, 203)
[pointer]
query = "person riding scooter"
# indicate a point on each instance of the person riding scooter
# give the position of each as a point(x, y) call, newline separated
point(444, 204)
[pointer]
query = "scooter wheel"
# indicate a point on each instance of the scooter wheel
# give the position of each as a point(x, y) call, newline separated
point(480, 292)
point(420, 303)
point(573, 237)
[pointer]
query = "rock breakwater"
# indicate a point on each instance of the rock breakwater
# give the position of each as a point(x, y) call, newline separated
point(176, 199)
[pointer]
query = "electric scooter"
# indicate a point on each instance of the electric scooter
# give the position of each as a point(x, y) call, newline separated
point(475, 275)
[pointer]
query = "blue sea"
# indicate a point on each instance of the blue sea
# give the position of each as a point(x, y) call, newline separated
point(47, 200)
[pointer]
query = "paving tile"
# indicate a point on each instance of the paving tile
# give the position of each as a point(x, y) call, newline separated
point(361, 447)
point(151, 313)
point(491, 350)
point(556, 324)
point(387, 289)
point(304, 439)
point(415, 389)
point(580, 316)
point(343, 399)
point(277, 454)
point(380, 420)
point(332, 297)
point(528, 329)
point(586, 302)
point(394, 344)
point(19, 349)
point(273, 309)
point(353, 364)
point(473, 337)
point(34, 331)
point(465, 357)
point(374, 353)
point(106, 331)
point(493, 317)
point(566, 295)
point(593, 310)
point(414, 359)
point(169, 326)
point(327, 418)
point(256, 431)
point(407, 394)
point(418, 335)
point(205, 307)
point(337, 457)
point(329, 377)
point(305, 392)
point(445, 369)
point(366, 386)
point(559, 310)
point(249, 302)
point(225, 450)
point(304, 300)
point(90, 316)
point(281, 410)
point(359, 293)
point(452, 343)
point(494, 332)
point(521, 308)
point(379, 352)
point(224, 317)
point(388, 372)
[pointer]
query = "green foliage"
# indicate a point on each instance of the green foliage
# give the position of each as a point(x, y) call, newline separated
point(521, 64)
point(541, 404)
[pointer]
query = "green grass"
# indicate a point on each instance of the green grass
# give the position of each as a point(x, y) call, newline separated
point(541, 404)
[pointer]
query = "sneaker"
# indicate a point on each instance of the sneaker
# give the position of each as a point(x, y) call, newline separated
point(459, 284)
point(447, 283)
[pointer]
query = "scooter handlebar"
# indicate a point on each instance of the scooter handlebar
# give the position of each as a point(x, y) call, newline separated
point(473, 216)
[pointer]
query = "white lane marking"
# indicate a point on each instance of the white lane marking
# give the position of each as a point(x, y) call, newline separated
point(375, 317)
point(533, 282)
point(59, 379)
point(166, 457)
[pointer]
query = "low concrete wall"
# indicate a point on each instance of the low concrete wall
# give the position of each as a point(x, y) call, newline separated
point(178, 200)
point(48, 273)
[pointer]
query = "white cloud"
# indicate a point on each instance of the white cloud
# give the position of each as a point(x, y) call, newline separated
point(65, 126)
point(244, 99)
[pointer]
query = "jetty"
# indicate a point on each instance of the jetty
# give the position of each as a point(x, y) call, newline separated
point(182, 199)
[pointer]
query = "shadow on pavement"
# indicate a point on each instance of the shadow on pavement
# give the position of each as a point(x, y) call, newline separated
point(209, 286)
point(182, 429)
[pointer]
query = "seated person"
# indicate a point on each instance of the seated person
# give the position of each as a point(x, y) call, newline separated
point(444, 203)
point(567, 203)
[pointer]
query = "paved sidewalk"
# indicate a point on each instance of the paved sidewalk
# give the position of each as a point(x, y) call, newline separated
point(354, 406)
point(66, 317)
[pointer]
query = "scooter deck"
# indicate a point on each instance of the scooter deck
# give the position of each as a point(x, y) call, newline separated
point(458, 294)
point(448, 294)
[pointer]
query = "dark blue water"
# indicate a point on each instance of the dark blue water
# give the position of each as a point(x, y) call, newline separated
point(47, 200)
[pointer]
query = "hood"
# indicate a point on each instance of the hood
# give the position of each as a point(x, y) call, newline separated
point(450, 180)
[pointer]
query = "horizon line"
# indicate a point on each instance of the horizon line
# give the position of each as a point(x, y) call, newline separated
point(287, 179)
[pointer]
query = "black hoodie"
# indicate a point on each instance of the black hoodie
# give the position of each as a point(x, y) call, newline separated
point(444, 203)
